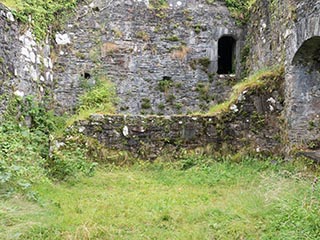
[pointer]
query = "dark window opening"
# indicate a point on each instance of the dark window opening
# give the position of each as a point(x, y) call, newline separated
point(166, 78)
point(86, 75)
point(226, 55)
point(308, 54)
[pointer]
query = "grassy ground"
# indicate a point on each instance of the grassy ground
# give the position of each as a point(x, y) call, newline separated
point(248, 200)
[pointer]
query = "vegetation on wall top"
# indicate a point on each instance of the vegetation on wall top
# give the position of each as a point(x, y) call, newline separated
point(240, 9)
point(40, 14)
point(268, 76)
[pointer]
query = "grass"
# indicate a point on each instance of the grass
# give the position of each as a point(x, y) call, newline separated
point(210, 200)
point(99, 99)
point(13, 4)
point(255, 81)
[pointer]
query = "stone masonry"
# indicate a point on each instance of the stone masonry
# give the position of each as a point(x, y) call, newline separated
point(162, 61)
point(25, 66)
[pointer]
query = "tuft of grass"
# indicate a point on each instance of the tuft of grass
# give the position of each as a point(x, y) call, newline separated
point(108, 48)
point(180, 53)
point(100, 99)
point(158, 4)
point(255, 81)
point(13, 4)
point(143, 35)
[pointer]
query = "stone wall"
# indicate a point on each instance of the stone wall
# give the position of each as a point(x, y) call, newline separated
point(25, 65)
point(303, 75)
point(278, 33)
point(267, 31)
point(252, 126)
point(162, 61)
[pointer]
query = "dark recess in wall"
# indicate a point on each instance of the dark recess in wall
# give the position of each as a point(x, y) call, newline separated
point(226, 47)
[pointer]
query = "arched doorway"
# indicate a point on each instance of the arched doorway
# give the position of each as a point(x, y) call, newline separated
point(303, 103)
point(226, 55)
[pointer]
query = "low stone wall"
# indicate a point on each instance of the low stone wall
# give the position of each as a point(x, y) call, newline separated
point(252, 124)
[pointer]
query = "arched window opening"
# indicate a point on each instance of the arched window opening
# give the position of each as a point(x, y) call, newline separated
point(308, 54)
point(226, 55)
point(86, 75)
point(303, 88)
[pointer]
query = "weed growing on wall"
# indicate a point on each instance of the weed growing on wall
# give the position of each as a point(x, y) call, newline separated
point(101, 98)
point(42, 13)
point(264, 78)
point(158, 4)
point(240, 9)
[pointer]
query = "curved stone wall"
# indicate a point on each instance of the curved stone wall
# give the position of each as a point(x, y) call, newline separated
point(303, 75)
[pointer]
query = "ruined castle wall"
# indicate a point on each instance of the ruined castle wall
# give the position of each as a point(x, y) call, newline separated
point(303, 75)
point(267, 32)
point(162, 61)
point(278, 33)
point(25, 65)
point(251, 127)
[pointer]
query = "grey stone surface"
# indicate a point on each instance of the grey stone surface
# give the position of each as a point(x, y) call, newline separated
point(141, 48)
point(303, 75)
point(279, 34)
point(253, 128)
point(22, 71)
point(163, 61)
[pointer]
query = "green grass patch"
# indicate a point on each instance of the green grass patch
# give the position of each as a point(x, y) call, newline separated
point(264, 78)
point(210, 200)
point(101, 98)
point(159, 4)
point(240, 10)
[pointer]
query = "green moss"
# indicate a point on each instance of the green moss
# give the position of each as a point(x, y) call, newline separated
point(170, 98)
point(198, 28)
point(145, 103)
point(204, 63)
point(165, 84)
point(161, 106)
point(158, 4)
point(204, 92)
point(172, 38)
point(210, 1)
point(178, 106)
point(266, 78)
point(80, 55)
